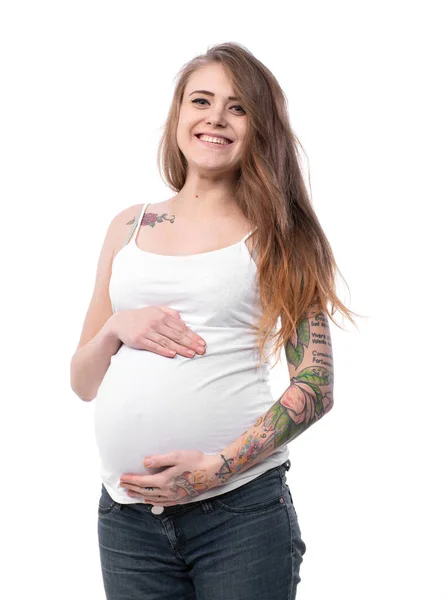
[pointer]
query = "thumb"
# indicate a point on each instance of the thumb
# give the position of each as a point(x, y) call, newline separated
point(161, 460)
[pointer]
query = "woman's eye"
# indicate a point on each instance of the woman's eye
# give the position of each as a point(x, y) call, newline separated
point(197, 100)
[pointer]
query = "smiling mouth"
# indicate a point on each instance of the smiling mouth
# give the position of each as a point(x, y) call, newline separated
point(214, 144)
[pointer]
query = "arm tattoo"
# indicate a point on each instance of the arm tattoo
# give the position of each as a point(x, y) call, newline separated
point(308, 398)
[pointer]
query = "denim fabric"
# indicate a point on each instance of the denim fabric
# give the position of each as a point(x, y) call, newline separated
point(242, 545)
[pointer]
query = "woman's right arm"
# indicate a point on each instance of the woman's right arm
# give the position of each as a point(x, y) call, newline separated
point(91, 361)
point(157, 329)
point(98, 342)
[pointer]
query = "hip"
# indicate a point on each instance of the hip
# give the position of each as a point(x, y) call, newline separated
point(251, 532)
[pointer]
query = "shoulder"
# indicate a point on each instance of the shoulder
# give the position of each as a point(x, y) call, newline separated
point(129, 214)
point(122, 223)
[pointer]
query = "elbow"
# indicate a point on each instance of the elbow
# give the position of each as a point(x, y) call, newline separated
point(328, 402)
point(81, 394)
point(83, 397)
point(75, 384)
point(89, 399)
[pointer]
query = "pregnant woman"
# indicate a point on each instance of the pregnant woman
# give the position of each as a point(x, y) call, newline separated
point(176, 343)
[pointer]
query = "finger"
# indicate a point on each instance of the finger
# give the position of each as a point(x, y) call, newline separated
point(163, 504)
point(138, 484)
point(155, 493)
point(162, 345)
point(155, 497)
point(164, 350)
point(185, 337)
point(180, 326)
point(171, 311)
point(174, 323)
point(163, 501)
point(183, 344)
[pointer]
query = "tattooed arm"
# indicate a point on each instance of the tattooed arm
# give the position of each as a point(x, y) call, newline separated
point(308, 398)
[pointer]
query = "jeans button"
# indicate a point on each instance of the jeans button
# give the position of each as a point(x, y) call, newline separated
point(157, 510)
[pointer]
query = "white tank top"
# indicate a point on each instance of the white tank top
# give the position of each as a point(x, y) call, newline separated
point(151, 404)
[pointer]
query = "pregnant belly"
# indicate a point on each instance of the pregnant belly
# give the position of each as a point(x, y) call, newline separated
point(150, 404)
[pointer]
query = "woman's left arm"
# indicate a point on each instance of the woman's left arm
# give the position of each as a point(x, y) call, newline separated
point(308, 398)
point(189, 473)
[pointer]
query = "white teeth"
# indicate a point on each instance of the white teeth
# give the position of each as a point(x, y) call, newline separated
point(207, 138)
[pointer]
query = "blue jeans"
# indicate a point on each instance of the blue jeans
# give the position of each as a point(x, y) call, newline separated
point(242, 545)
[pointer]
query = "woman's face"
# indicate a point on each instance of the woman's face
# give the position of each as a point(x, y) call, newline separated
point(211, 111)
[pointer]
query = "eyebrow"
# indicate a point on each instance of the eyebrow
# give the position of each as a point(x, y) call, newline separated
point(211, 94)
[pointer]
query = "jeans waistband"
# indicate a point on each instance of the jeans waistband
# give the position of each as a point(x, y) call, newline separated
point(204, 503)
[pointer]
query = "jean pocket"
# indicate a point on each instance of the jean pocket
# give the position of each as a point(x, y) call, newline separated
point(282, 474)
point(262, 493)
point(106, 503)
point(288, 497)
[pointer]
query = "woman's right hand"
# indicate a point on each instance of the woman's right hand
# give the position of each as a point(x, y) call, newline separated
point(158, 329)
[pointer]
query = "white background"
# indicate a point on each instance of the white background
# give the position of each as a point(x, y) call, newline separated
point(86, 87)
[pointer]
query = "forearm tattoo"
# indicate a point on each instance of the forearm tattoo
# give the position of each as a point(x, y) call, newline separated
point(308, 397)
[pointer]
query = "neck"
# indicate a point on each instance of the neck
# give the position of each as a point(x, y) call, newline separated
point(202, 206)
point(209, 197)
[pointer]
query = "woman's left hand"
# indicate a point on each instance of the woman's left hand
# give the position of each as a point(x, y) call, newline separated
point(188, 473)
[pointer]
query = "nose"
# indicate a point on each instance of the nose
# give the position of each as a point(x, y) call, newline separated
point(216, 117)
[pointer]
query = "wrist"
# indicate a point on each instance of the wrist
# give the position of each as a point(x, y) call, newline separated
point(109, 328)
point(216, 476)
point(109, 336)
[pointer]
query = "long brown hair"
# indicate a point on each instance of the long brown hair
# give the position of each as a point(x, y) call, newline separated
point(296, 266)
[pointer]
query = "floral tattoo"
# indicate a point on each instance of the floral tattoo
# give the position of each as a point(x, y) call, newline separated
point(152, 218)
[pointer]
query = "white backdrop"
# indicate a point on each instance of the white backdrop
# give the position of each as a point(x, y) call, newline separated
point(86, 86)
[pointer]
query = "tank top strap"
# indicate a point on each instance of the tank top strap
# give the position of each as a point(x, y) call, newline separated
point(248, 234)
point(137, 223)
